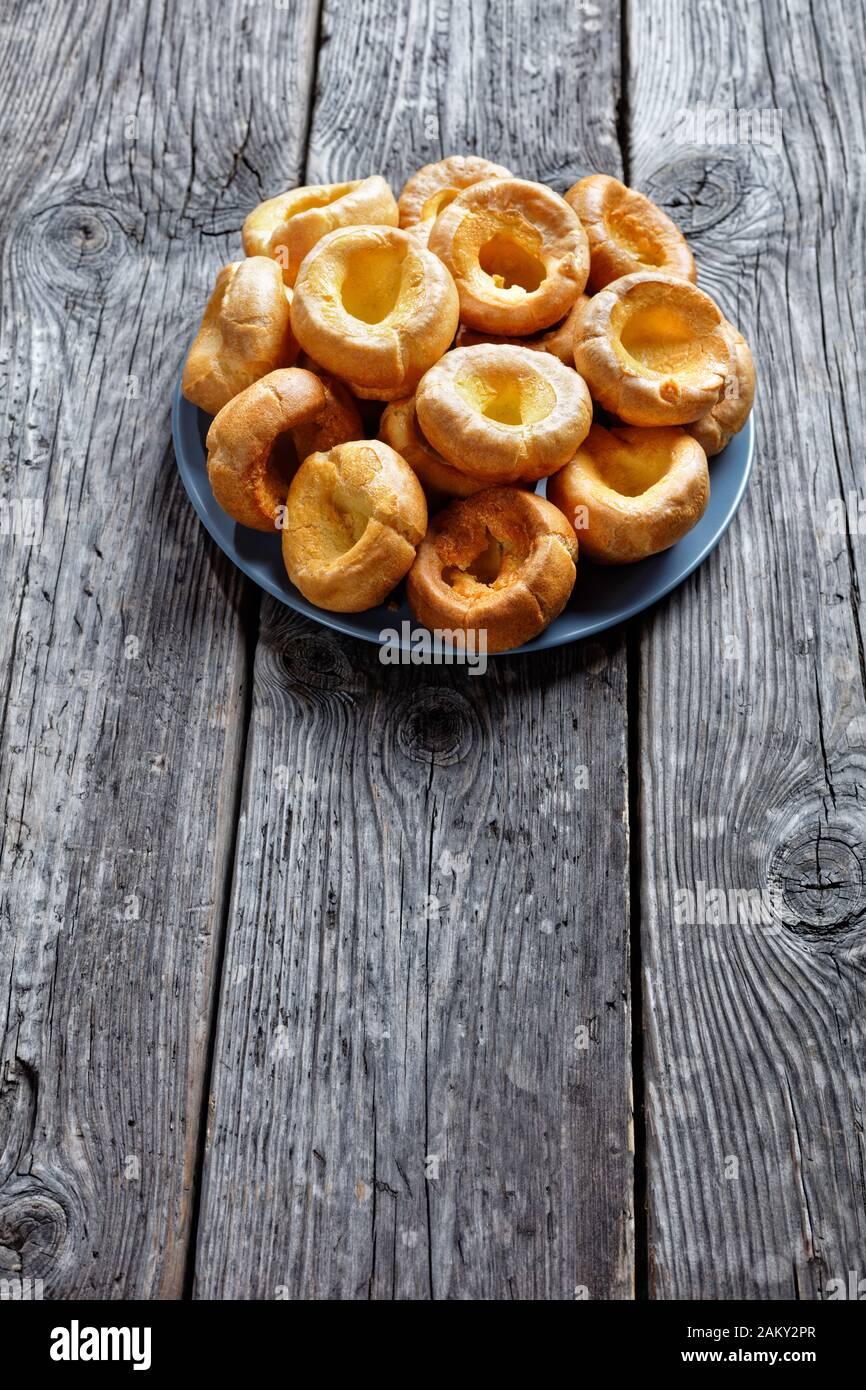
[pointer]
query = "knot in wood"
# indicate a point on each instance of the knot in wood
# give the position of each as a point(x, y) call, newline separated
point(315, 663)
point(81, 252)
point(437, 725)
point(817, 878)
point(33, 1231)
point(80, 235)
point(698, 192)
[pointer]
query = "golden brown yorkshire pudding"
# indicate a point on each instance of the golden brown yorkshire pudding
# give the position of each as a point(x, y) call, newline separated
point(399, 427)
point(627, 232)
point(503, 413)
point(435, 186)
point(246, 332)
point(726, 419)
point(517, 252)
point(288, 226)
point(501, 562)
point(632, 492)
point(374, 308)
point(252, 453)
point(559, 340)
point(653, 349)
point(353, 519)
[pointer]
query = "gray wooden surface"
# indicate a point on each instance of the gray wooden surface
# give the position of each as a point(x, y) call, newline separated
point(752, 749)
point(314, 974)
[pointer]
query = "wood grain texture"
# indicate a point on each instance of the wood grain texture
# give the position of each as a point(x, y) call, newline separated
point(421, 1080)
point(421, 1072)
point(752, 685)
point(129, 142)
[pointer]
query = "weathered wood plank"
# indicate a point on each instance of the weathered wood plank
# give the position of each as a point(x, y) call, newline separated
point(752, 723)
point(421, 1082)
point(130, 143)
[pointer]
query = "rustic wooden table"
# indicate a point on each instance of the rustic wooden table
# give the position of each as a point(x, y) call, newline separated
point(325, 979)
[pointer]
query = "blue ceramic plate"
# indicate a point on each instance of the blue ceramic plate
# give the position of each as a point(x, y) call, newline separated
point(602, 597)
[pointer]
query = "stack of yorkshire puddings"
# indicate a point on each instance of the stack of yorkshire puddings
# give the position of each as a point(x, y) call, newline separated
point(490, 313)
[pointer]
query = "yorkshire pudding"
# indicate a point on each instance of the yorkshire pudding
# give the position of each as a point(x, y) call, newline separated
point(503, 413)
point(559, 340)
point(632, 492)
point(251, 449)
point(288, 226)
point(715, 430)
point(431, 190)
point(245, 333)
point(517, 252)
point(501, 562)
point(375, 308)
point(626, 232)
point(653, 349)
point(399, 427)
point(353, 519)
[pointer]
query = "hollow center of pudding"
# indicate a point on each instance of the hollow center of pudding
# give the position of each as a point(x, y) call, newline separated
point(322, 199)
point(660, 336)
point(509, 400)
point(371, 283)
point(487, 565)
point(510, 265)
point(494, 566)
point(437, 203)
point(628, 468)
point(282, 465)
